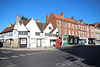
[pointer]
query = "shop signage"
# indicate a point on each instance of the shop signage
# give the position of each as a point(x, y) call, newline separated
point(65, 39)
point(23, 41)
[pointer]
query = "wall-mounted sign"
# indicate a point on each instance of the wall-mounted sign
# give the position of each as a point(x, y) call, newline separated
point(23, 41)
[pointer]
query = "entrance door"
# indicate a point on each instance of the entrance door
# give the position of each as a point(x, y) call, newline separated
point(23, 42)
point(38, 42)
point(52, 42)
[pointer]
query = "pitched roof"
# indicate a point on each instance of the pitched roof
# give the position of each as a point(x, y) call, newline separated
point(52, 30)
point(46, 24)
point(8, 29)
point(42, 26)
point(63, 18)
point(25, 22)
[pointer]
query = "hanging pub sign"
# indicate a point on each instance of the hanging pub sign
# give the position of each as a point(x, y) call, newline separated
point(23, 41)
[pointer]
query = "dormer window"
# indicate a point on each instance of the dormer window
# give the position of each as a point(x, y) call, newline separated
point(50, 28)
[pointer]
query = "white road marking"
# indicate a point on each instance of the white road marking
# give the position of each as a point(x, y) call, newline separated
point(6, 51)
point(28, 54)
point(14, 56)
point(3, 58)
point(21, 55)
point(13, 65)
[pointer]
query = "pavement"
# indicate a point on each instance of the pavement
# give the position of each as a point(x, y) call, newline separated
point(36, 48)
point(76, 56)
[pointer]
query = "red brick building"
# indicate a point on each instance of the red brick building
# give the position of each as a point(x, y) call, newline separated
point(74, 29)
point(64, 25)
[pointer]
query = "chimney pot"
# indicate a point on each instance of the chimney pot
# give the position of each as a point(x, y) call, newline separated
point(72, 18)
point(10, 24)
point(62, 14)
point(47, 18)
point(17, 19)
point(37, 20)
point(81, 20)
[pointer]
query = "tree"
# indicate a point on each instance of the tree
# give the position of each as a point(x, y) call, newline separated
point(23, 18)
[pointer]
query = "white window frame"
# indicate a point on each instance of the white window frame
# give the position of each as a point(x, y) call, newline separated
point(69, 32)
point(73, 32)
point(69, 25)
point(73, 26)
point(65, 32)
point(79, 33)
point(58, 23)
point(59, 31)
point(79, 27)
point(65, 24)
point(76, 26)
point(76, 33)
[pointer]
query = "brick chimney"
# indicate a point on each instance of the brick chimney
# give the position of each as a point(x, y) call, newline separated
point(47, 18)
point(17, 19)
point(97, 23)
point(37, 20)
point(72, 18)
point(62, 14)
point(81, 20)
point(10, 24)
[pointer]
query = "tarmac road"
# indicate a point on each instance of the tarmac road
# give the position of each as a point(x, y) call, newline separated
point(77, 56)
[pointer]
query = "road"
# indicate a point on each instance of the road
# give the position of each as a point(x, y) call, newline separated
point(78, 56)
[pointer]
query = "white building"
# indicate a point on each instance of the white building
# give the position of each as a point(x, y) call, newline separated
point(28, 33)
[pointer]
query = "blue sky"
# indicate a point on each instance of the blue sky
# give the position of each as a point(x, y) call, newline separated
point(88, 10)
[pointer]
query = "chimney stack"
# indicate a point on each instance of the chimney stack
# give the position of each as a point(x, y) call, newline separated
point(10, 24)
point(62, 14)
point(37, 20)
point(47, 18)
point(17, 19)
point(72, 18)
point(81, 20)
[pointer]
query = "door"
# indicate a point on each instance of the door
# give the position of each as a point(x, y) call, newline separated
point(52, 42)
point(39, 42)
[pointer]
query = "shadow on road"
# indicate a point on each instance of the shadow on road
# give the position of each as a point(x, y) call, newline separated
point(91, 54)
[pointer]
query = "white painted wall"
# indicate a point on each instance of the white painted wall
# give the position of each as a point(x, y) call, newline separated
point(33, 28)
point(22, 28)
point(15, 31)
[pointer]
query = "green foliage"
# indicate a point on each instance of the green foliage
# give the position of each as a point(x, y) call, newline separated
point(23, 18)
